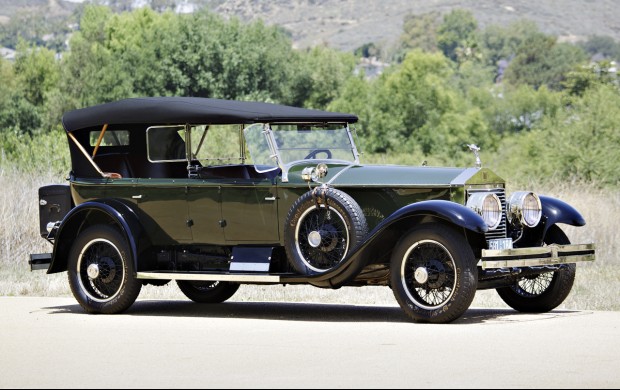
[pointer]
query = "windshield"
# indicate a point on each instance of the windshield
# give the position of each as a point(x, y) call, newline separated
point(283, 145)
point(297, 142)
point(320, 142)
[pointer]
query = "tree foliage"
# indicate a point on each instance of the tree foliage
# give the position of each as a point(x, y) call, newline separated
point(457, 35)
point(419, 32)
point(534, 105)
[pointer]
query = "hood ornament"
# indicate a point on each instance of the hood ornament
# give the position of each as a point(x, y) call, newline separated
point(476, 150)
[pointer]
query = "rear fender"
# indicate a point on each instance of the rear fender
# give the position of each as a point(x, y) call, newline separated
point(106, 211)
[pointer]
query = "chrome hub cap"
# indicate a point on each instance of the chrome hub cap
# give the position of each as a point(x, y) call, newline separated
point(314, 239)
point(93, 271)
point(421, 275)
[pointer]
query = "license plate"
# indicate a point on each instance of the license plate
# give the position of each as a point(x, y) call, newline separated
point(500, 244)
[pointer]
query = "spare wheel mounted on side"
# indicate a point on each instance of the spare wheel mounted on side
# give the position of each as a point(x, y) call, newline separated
point(322, 227)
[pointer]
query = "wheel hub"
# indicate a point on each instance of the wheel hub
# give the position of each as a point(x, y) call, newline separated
point(93, 271)
point(314, 239)
point(421, 275)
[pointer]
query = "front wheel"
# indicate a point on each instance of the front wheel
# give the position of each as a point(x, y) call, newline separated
point(101, 271)
point(433, 274)
point(544, 292)
point(208, 292)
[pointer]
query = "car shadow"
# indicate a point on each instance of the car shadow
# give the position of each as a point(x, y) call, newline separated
point(308, 312)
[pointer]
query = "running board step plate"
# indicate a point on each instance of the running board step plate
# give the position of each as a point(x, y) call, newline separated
point(214, 277)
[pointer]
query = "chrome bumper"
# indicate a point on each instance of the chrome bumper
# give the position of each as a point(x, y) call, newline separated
point(534, 257)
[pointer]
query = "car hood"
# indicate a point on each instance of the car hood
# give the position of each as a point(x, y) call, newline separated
point(400, 176)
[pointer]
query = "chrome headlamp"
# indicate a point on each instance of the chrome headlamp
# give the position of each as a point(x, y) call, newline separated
point(314, 173)
point(524, 207)
point(488, 206)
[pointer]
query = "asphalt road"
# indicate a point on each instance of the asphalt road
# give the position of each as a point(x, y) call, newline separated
point(50, 342)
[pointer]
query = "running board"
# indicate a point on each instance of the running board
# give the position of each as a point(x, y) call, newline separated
point(214, 277)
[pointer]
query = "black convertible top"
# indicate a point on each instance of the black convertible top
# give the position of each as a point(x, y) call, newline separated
point(186, 110)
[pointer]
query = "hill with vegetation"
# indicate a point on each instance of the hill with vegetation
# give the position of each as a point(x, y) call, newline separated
point(349, 24)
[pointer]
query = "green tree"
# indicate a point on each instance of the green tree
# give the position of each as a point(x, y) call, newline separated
point(499, 42)
point(589, 76)
point(7, 81)
point(419, 32)
point(512, 109)
point(541, 60)
point(603, 46)
point(324, 73)
point(38, 73)
point(457, 35)
point(579, 143)
point(91, 74)
point(416, 108)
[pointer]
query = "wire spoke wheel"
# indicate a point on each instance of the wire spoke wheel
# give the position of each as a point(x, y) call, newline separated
point(533, 286)
point(428, 274)
point(322, 238)
point(433, 273)
point(101, 270)
point(322, 227)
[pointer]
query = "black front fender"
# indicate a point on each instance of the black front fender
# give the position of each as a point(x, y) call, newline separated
point(556, 211)
point(384, 237)
point(106, 211)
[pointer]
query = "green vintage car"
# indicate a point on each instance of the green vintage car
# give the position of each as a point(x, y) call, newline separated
point(216, 193)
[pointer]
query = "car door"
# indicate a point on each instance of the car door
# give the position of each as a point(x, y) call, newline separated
point(205, 210)
point(250, 211)
point(163, 203)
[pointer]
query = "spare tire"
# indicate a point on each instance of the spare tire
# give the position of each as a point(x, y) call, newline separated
point(322, 227)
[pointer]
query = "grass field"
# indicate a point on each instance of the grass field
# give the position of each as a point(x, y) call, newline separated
point(596, 286)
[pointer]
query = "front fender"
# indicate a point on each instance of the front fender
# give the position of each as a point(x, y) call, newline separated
point(451, 212)
point(384, 237)
point(105, 211)
point(556, 211)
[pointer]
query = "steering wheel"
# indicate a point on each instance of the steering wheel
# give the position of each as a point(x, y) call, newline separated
point(313, 154)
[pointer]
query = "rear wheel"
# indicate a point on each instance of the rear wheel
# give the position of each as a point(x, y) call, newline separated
point(544, 292)
point(208, 291)
point(101, 272)
point(433, 274)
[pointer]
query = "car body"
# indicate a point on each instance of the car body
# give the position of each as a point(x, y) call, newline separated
point(217, 193)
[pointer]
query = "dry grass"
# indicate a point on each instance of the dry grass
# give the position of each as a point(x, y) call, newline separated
point(596, 286)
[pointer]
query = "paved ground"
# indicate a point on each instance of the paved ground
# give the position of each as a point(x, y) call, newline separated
point(50, 342)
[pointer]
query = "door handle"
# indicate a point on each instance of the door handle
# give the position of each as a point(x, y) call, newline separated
point(136, 197)
point(270, 198)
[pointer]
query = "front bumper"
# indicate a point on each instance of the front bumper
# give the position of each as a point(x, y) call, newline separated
point(535, 257)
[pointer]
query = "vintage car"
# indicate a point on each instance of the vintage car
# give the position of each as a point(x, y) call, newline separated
point(216, 193)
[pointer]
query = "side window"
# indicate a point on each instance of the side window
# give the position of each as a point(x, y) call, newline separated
point(216, 144)
point(110, 138)
point(166, 143)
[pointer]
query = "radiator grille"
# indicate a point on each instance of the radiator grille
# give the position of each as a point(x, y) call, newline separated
point(501, 230)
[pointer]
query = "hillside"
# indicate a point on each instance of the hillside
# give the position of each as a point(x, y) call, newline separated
point(347, 24)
